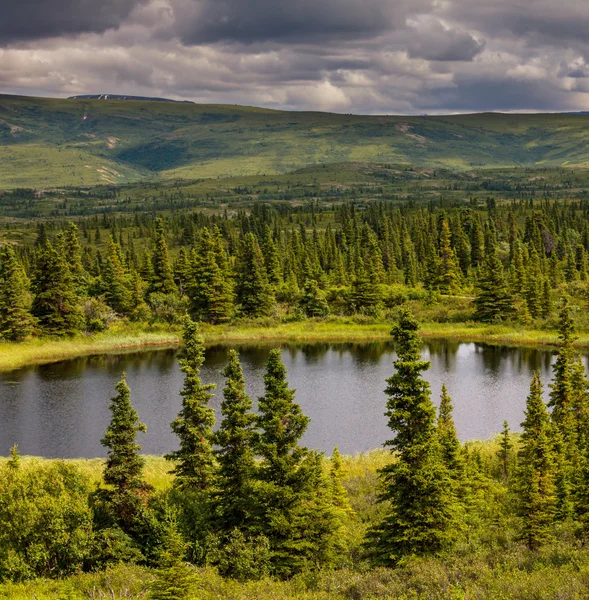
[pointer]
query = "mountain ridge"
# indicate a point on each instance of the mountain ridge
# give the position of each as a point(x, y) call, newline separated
point(46, 142)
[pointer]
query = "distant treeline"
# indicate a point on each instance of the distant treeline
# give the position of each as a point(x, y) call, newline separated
point(290, 264)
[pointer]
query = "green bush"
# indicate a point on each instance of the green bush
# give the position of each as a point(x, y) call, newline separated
point(45, 520)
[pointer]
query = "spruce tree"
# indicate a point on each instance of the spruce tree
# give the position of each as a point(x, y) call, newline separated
point(364, 295)
point(493, 301)
point(505, 446)
point(194, 467)
point(210, 286)
point(55, 302)
point(16, 321)
point(423, 507)
point(254, 293)
point(537, 488)
point(235, 452)
point(313, 301)
point(296, 512)
point(123, 470)
point(448, 438)
point(448, 270)
point(115, 280)
point(163, 276)
point(73, 251)
point(339, 495)
point(563, 393)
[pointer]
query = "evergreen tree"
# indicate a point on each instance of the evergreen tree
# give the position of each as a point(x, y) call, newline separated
point(313, 301)
point(364, 295)
point(537, 489)
point(448, 270)
point(422, 517)
point(254, 293)
point(296, 512)
point(448, 438)
point(235, 452)
point(493, 301)
point(16, 321)
point(55, 302)
point(123, 471)
point(194, 467)
point(505, 446)
point(73, 251)
point(339, 495)
point(138, 309)
point(115, 280)
point(163, 276)
point(210, 287)
point(562, 402)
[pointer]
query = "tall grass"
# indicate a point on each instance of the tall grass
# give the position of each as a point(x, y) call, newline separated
point(336, 329)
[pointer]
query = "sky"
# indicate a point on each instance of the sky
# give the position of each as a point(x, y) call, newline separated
point(347, 56)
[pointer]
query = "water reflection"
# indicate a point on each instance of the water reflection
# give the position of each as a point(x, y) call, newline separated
point(62, 409)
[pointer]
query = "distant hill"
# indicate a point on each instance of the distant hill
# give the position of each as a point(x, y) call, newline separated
point(55, 142)
point(119, 97)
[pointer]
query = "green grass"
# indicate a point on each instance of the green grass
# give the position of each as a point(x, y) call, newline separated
point(48, 142)
point(132, 338)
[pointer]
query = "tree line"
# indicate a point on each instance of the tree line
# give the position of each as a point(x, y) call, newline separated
point(514, 259)
point(250, 500)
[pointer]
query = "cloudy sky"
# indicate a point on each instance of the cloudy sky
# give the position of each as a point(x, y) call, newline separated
point(363, 56)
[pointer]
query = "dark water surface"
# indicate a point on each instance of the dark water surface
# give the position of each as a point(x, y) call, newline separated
point(61, 410)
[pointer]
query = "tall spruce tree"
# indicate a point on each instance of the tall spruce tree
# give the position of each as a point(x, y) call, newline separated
point(115, 280)
point(210, 287)
point(55, 302)
point(423, 507)
point(537, 478)
point(448, 269)
point(562, 402)
point(493, 301)
point(504, 453)
point(123, 470)
point(254, 293)
point(163, 276)
point(73, 251)
point(235, 453)
point(16, 321)
point(448, 438)
point(296, 512)
point(194, 468)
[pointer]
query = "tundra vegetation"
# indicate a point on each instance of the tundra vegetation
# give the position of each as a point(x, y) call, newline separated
point(245, 511)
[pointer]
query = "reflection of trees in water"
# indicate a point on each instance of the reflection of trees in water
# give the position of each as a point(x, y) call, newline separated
point(521, 360)
point(446, 351)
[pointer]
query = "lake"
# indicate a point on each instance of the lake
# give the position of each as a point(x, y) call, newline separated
point(61, 409)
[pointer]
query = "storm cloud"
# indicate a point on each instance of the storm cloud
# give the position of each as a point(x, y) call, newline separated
point(373, 56)
point(37, 19)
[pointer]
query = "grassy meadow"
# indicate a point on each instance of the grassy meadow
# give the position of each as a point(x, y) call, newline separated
point(87, 142)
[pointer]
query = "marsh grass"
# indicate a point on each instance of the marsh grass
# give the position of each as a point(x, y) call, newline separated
point(338, 329)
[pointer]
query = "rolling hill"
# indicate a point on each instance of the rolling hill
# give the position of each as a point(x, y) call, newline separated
point(47, 143)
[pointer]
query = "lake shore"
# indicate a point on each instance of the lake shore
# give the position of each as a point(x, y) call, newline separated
point(123, 339)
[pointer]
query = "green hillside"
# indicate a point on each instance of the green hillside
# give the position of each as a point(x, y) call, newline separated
point(48, 142)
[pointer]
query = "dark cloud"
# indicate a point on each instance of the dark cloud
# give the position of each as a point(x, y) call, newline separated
point(559, 22)
point(435, 42)
point(377, 56)
point(249, 21)
point(36, 19)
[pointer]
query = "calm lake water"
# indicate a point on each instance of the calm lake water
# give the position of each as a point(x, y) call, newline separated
point(61, 410)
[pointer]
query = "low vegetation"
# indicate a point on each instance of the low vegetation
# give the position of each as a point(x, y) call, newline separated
point(497, 519)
